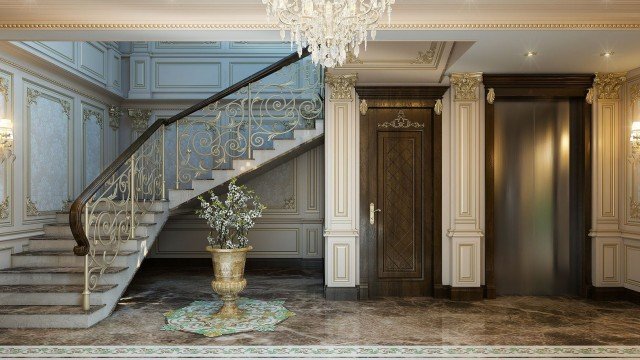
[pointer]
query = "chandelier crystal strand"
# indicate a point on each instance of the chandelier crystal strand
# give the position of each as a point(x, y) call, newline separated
point(330, 28)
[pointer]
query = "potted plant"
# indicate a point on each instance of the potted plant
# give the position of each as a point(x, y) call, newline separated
point(230, 221)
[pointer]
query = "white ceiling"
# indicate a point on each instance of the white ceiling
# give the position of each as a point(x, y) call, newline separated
point(491, 35)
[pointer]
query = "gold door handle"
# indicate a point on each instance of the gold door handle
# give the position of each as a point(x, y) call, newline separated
point(372, 213)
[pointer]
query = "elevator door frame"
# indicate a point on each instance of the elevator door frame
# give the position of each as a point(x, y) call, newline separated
point(554, 87)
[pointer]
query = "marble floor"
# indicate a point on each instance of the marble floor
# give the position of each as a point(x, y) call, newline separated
point(158, 288)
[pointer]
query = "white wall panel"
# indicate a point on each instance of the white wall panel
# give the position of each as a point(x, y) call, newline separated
point(48, 143)
point(93, 60)
point(177, 74)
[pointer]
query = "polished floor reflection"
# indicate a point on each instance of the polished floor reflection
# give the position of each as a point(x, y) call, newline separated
point(411, 321)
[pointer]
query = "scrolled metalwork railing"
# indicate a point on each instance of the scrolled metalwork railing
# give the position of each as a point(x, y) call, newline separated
point(230, 125)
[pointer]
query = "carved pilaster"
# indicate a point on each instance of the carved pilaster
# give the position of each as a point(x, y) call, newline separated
point(341, 86)
point(465, 200)
point(115, 113)
point(139, 119)
point(608, 85)
point(465, 86)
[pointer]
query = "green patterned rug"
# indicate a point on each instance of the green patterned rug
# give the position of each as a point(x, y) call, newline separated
point(199, 317)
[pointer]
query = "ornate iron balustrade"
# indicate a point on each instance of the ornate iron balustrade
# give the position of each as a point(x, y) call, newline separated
point(256, 115)
point(229, 125)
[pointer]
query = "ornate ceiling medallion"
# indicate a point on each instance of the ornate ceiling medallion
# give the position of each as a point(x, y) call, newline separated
point(329, 28)
point(401, 122)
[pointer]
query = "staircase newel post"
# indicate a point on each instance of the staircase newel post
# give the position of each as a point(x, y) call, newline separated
point(132, 193)
point(164, 182)
point(86, 304)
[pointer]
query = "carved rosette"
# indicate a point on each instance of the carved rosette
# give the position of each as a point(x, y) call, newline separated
point(115, 113)
point(465, 86)
point(341, 86)
point(139, 119)
point(608, 85)
point(88, 113)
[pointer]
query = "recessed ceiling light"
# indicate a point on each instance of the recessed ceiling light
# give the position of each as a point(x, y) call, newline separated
point(607, 53)
point(530, 54)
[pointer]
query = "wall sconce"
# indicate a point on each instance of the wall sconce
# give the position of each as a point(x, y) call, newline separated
point(634, 138)
point(6, 138)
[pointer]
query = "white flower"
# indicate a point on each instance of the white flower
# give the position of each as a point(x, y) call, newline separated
point(232, 219)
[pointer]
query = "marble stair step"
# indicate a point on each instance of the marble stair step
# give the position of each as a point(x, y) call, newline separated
point(53, 294)
point(48, 316)
point(55, 275)
point(46, 242)
point(61, 229)
point(62, 258)
point(145, 217)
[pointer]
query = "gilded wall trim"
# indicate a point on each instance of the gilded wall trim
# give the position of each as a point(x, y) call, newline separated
point(115, 113)
point(87, 113)
point(443, 26)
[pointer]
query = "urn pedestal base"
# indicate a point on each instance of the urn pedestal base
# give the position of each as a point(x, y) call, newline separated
point(228, 269)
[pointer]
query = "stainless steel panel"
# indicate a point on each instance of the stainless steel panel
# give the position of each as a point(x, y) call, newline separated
point(532, 231)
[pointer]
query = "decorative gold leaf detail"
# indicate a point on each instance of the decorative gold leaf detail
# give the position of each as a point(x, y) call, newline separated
point(400, 122)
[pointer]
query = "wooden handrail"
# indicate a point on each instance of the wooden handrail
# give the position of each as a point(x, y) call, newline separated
point(76, 210)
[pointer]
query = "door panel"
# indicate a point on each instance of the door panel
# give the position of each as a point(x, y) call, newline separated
point(399, 228)
point(399, 159)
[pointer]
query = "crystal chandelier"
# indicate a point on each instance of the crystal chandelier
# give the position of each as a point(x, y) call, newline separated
point(330, 28)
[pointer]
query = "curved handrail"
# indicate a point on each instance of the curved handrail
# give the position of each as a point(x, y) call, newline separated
point(76, 210)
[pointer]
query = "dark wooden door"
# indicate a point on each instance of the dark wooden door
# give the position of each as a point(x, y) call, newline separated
point(400, 176)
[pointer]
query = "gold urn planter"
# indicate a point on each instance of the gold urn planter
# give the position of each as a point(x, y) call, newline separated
point(229, 281)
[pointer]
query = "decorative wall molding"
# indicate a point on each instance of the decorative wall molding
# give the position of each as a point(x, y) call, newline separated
point(634, 94)
point(400, 122)
point(342, 86)
point(590, 96)
point(4, 89)
point(139, 119)
point(428, 56)
point(115, 114)
point(465, 86)
point(5, 208)
point(491, 96)
point(608, 85)
point(31, 207)
point(364, 107)
point(87, 113)
point(438, 107)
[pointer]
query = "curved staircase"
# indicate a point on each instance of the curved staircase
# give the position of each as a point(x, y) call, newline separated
point(73, 275)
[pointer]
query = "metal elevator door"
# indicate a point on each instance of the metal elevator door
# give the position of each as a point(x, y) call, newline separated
point(533, 250)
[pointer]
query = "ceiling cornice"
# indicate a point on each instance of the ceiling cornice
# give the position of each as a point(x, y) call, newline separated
point(452, 26)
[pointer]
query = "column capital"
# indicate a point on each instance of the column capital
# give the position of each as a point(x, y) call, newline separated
point(341, 86)
point(608, 85)
point(115, 112)
point(465, 86)
point(139, 119)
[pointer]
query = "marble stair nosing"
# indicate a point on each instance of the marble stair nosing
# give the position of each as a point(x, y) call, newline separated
point(62, 258)
point(50, 295)
point(51, 316)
